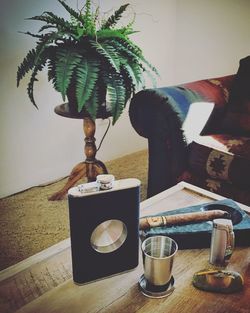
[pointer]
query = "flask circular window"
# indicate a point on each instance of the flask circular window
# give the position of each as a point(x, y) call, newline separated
point(108, 236)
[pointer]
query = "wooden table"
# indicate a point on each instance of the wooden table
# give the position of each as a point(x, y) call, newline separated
point(43, 282)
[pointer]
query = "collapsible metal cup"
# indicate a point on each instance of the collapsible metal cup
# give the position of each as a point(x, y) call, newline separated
point(158, 256)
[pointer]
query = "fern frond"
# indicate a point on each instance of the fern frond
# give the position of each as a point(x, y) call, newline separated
point(104, 34)
point(110, 50)
point(129, 26)
point(123, 51)
point(66, 61)
point(115, 96)
point(46, 27)
point(27, 64)
point(93, 103)
point(96, 14)
point(32, 59)
point(87, 75)
point(132, 50)
point(60, 22)
point(130, 46)
point(107, 54)
point(126, 31)
point(51, 18)
point(150, 65)
point(129, 76)
point(89, 21)
point(52, 64)
point(31, 34)
point(33, 79)
point(114, 18)
point(30, 88)
point(52, 72)
point(129, 82)
point(72, 12)
point(135, 72)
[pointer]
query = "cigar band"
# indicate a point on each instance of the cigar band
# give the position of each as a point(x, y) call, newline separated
point(155, 221)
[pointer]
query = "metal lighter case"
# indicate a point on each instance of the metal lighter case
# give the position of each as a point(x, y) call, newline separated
point(222, 242)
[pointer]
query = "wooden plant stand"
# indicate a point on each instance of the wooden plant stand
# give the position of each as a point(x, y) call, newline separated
point(89, 168)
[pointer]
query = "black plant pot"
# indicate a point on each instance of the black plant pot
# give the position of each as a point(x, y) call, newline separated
point(69, 109)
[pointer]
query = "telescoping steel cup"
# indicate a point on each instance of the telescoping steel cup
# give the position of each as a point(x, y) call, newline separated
point(158, 256)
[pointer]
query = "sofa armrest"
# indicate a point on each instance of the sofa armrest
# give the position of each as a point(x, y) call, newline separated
point(151, 102)
point(155, 119)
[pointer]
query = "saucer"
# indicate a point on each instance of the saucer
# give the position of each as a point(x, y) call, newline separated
point(156, 292)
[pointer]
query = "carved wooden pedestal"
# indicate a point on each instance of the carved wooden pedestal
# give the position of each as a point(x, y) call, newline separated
point(89, 168)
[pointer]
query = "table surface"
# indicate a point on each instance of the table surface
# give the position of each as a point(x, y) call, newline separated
point(43, 283)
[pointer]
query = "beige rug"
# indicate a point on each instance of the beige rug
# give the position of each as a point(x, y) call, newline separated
point(30, 223)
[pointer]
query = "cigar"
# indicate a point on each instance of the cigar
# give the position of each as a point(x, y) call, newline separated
point(182, 218)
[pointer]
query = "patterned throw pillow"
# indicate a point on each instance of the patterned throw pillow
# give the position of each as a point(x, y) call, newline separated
point(206, 161)
point(237, 117)
point(220, 187)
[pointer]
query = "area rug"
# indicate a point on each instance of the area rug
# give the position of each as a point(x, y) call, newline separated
point(30, 223)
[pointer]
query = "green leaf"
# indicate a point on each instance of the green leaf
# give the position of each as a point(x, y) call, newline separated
point(66, 61)
point(33, 57)
point(89, 21)
point(52, 65)
point(135, 72)
point(72, 12)
point(52, 19)
point(31, 34)
point(44, 27)
point(103, 34)
point(30, 88)
point(27, 64)
point(52, 72)
point(129, 82)
point(93, 103)
point(150, 66)
point(107, 53)
point(116, 96)
point(124, 51)
point(114, 18)
point(80, 31)
point(133, 51)
point(33, 78)
point(87, 75)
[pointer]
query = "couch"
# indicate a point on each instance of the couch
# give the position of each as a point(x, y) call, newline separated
point(198, 132)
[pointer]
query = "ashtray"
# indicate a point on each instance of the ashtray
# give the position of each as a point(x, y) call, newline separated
point(197, 235)
point(156, 292)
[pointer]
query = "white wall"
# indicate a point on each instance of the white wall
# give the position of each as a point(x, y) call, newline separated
point(185, 40)
point(211, 37)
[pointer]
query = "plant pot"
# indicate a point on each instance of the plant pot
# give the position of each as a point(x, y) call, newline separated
point(70, 109)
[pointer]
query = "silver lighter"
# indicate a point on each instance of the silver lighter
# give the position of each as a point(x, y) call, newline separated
point(222, 242)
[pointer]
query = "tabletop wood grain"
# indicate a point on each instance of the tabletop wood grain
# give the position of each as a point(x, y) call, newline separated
point(43, 283)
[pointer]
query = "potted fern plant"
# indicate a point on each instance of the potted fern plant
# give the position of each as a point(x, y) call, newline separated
point(90, 61)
